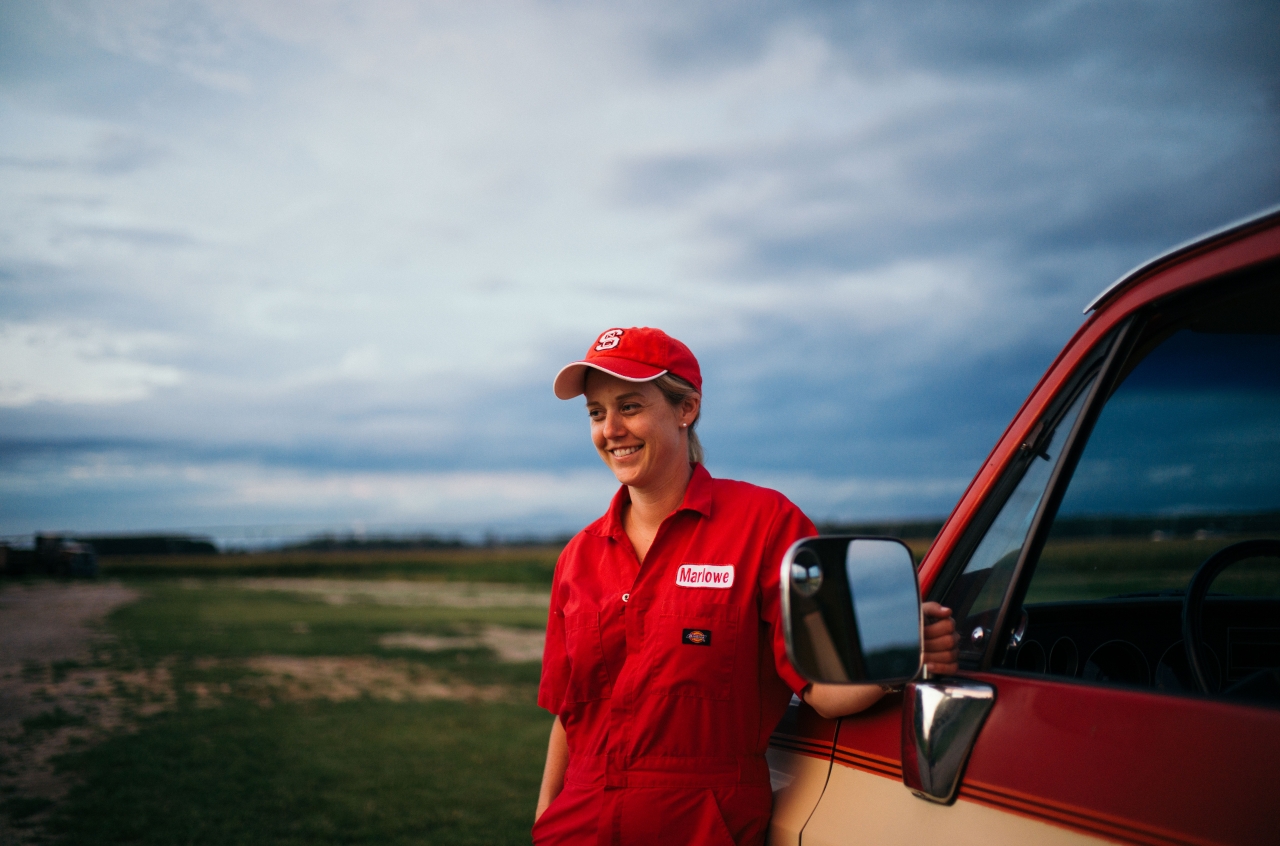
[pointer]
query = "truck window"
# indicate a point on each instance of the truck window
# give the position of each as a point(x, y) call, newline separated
point(1183, 461)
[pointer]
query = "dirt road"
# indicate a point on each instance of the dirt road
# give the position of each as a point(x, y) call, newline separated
point(50, 695)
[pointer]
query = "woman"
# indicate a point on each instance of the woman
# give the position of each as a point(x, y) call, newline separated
point(665, 663)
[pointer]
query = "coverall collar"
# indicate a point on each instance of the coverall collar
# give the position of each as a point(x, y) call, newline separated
point(697, 498)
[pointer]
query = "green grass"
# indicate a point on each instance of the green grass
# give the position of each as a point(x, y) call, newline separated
point(215, 619)
point(246, 769)
point(315, 773)
point(19, 808)
point(52, 720)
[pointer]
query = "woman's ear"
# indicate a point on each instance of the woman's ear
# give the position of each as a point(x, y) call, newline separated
point(689, 408)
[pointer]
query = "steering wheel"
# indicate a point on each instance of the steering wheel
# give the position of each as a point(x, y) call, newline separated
point(1198, 589)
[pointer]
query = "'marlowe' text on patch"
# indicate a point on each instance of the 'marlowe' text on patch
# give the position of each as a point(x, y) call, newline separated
point(705, 576)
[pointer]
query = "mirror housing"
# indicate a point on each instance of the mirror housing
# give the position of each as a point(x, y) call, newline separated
point(851, 610)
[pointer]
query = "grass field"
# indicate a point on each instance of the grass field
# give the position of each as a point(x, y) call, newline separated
point(312, 773)
point(393, 709)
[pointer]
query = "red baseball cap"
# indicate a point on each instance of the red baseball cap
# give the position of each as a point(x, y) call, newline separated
point(638, 354)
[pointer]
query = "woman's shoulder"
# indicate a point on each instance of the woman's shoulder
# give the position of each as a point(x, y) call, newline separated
point(739, 494)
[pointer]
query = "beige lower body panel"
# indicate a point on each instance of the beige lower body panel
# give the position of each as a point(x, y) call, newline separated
point(859, 807)
point(798, 781)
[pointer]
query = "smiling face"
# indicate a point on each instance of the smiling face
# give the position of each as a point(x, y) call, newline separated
point(637, 431)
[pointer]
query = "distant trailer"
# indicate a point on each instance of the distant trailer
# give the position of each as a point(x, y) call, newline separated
point(52, 555)
point(60, 556)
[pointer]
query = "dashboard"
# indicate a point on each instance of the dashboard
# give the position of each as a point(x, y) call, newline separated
point(1137, 641)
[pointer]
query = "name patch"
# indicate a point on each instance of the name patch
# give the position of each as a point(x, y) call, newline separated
point(696, 637)
point(705, 576)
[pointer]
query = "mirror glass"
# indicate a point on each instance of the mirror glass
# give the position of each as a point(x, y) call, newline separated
point(886, 606)
point(851, 610)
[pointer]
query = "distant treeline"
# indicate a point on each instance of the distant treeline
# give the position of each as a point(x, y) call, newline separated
point(328, 542)
point(109, 546)
point(1084, 526)
point(150, 545)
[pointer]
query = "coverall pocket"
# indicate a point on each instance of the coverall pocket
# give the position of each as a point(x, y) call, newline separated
point(672, 817)
point(588, 675)
point(718, 828)
point(693, 645)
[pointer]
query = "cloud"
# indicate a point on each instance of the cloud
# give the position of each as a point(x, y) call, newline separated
point(335, 239)
point(74, 364)
point(90, 489)
point(231, 497)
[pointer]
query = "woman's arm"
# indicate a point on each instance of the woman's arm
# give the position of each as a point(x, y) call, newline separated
point(553, 772)
point(941, 654)
point(840, 700)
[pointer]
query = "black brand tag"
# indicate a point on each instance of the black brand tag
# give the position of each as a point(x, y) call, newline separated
point(696, 637)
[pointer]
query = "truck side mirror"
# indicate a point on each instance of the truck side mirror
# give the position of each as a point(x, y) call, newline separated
point(851, 610)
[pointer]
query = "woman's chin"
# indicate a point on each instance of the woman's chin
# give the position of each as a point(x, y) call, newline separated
point(627, 476)
point(631, 475)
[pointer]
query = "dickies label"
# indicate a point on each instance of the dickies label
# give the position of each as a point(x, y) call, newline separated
point(696, 637)
point(705, 576)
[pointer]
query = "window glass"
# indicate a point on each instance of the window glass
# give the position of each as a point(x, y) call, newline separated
point(976, 596)
point(1184, 458)
point(1183, 463)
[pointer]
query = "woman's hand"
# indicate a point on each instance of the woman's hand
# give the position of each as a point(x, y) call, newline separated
point(941, 655)
point(941, 643)
point(553, 771)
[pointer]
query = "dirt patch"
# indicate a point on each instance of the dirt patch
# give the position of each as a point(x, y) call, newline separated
point(51, 697)
point(511, 644)
point(55, 621)
point(515, 644)
point(400, 592)
point(339, 679)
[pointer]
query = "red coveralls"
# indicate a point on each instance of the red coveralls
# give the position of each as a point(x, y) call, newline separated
point(667, 681)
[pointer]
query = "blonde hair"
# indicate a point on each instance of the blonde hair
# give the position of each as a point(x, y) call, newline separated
point(677, 390)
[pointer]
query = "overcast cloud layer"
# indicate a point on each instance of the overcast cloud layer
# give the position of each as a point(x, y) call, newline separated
point(315, 264)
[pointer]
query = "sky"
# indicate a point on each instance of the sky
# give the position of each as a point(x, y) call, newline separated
point(272, 267)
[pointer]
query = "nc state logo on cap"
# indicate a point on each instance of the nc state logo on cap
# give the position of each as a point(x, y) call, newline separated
point(647, 354)
point(608, 340)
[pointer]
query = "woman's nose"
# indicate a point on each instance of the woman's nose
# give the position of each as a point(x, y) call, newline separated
point(613, 427)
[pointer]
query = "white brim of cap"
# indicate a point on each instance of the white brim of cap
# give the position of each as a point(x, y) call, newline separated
point(571, 381)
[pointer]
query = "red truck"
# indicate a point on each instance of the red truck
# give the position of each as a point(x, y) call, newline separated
point(1112, 571)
